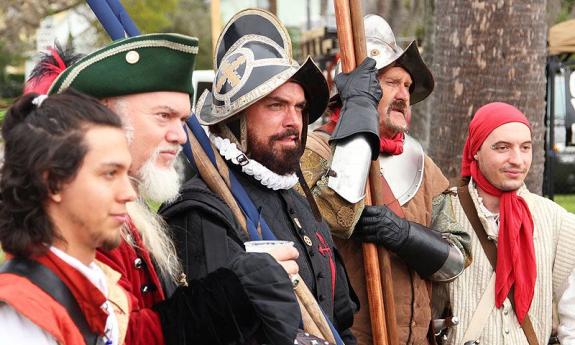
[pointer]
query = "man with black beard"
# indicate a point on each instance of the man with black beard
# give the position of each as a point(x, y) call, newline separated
point(257, 112)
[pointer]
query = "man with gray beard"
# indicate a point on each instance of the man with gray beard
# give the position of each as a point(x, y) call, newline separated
point(419, 229)
point(147, 80)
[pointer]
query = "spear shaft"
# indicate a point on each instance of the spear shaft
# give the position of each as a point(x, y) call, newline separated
point(351, 38)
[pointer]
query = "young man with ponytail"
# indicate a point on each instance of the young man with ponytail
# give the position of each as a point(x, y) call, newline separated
point(64, 187)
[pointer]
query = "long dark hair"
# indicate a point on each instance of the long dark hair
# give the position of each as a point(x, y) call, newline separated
point(44, 149)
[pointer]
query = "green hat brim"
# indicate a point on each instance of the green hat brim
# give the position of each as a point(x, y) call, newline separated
point(139, 64)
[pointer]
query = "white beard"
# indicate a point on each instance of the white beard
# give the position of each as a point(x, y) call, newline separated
point(159, 184)
point(155, 234)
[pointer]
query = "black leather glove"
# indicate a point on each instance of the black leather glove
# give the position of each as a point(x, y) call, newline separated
point(423, 249)
point(379, 225)
point(360, 93)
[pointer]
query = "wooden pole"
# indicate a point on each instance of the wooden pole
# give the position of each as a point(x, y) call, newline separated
point(375, 188)
point(216, 22)
point(351, 38)
point(273, 6)
point(359, 45)
point(344, 35)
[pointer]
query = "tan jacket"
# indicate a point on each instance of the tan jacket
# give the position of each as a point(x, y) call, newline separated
point(429, 206)
point(553, 239)
point(118, 299)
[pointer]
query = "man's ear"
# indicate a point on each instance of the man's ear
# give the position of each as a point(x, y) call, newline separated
point(53, 194)
point(56, 197)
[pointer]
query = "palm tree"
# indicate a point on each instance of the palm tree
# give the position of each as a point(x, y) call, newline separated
point(487, 51)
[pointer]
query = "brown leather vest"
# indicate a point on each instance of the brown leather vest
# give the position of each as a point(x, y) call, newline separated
point(412, 293)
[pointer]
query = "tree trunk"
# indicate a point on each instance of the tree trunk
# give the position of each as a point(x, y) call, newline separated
point(421, 113)
point(323, 8)
point(392, 11)
point(487, 51)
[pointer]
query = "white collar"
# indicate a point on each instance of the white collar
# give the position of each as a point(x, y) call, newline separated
point(484, 210)
point(265, 176)
point(492, 219)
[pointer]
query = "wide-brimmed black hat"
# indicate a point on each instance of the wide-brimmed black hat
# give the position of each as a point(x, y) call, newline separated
point(253, 58)
point(382, 47)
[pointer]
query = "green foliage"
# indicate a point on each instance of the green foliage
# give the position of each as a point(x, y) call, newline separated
point(4, 104)
point(188, 17)
point(295, 36)
point(151, 15)
point(4, 61)
point(566, 9)
point(420, 34)
point(567, 201)
point(10, 85)
point(192, 17)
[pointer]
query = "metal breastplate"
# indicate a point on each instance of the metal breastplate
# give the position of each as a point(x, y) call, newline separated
point(404, 172)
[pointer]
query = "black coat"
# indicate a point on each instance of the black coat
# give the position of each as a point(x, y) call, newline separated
point(218, 308)
point(208, 237)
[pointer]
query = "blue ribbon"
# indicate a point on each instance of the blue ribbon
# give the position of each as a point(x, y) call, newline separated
point(114, 18)
point(253, 216)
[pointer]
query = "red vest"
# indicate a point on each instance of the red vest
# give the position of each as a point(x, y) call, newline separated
point(40, 308)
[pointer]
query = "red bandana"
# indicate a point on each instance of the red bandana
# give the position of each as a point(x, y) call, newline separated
point(391, 146)
point(515, 252)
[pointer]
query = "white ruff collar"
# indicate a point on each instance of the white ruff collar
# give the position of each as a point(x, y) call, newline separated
point(265, 176)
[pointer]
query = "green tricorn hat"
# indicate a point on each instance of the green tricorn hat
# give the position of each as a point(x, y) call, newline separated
point(139, 64)
point(253, 58)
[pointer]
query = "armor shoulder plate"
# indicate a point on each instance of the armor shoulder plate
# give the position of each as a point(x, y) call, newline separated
point(404, 172)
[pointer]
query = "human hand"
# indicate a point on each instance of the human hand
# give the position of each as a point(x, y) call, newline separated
point(361, 82)
point(378, 224)
point(360, 94)
point(286, 256)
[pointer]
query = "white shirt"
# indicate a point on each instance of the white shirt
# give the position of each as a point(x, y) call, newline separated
point(566, 302)
point(554, 240)
point(17, 329)
point(492, 219)
point(566, 311)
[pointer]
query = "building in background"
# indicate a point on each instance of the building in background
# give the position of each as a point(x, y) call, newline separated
point(74, 26)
